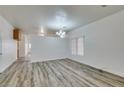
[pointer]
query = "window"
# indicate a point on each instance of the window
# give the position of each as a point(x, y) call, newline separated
point(77, 46)
point(80, 46)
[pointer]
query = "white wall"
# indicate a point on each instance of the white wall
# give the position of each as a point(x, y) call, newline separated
point(9, 47)
point(0, 47)
point(48, 48)
point(0, 44)
point(104, 43)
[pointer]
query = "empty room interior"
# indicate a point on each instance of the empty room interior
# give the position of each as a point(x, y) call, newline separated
point(62, 46)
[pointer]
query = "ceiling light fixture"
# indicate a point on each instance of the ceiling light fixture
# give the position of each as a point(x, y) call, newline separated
point(61, 33)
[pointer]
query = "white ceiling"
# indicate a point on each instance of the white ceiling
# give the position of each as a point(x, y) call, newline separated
point(31, 18)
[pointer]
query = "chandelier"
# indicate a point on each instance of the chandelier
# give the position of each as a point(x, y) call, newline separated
point(61, 33)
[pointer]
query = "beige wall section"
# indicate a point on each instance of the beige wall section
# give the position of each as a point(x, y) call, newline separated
point(9, 46)
point(24, 45)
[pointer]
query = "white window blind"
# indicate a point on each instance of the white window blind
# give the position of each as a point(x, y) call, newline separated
point(80, 46)
point(77, 46)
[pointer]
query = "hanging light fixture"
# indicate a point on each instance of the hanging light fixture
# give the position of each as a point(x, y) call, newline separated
point(61, 33)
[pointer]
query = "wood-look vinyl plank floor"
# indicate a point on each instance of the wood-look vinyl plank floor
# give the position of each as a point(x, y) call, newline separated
point(57, 73)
